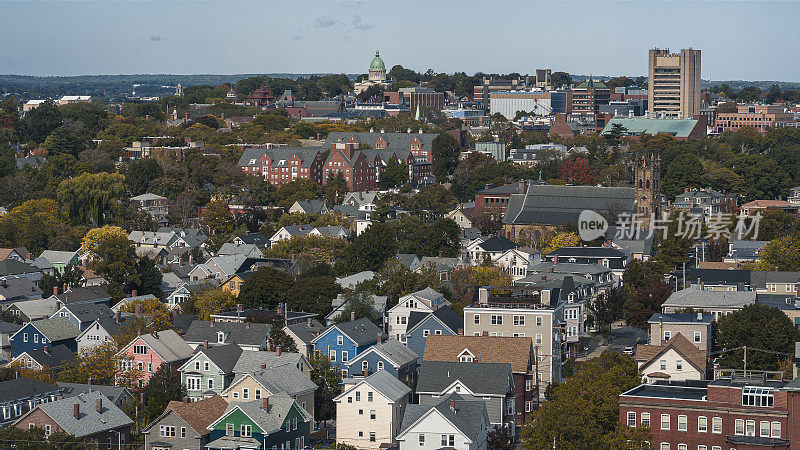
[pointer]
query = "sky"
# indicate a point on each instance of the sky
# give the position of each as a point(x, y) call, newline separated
point(739, 40)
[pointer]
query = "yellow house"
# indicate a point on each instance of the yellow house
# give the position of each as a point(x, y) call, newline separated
point(234, 282)
point(265, 383)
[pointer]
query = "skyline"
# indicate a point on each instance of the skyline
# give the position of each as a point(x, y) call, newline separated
point(244, 37)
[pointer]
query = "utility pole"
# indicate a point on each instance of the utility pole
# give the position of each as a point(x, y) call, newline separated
point(745, 360)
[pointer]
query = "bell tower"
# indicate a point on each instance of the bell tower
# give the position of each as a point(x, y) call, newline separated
point(647, 180)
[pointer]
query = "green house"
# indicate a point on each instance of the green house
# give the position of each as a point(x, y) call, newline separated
point(210, 370)
point(275, 422)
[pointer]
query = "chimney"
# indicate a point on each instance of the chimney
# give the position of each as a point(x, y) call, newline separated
point(263, 366)
point(141, 398)
point(453, 405)
point(134, 293)
point(99, 404)
point(523, 187)
point(699, 317)
point(460, 332)
point(702, 286)
point(55, 290)
point(352, 316)
point(266, 404)
point(278, 351)
point(380, 338)
point(76, 410)
point(205, 343)
point(58, 305)
point(118, 316)
point(65, 288)
point(308, 321)
point(46, 350)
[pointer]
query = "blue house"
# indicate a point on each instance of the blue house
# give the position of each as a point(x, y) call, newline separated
point(443, 321)
point(390, 356)
point(344, 341)
point(44, 333)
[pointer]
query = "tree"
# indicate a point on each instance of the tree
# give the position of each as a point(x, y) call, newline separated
point(727, 107)
point(42, 120)
point(163, 387)
point(578, 171)
point(91, 241)
point(776, 223)
point(279, 337)
point(372, 248)
point(326, 376)
point(310, 248)
point(335, 188)
point(466, 280)
point(394, 174)
point(100, 365)
point(561, 239)
point(218, 218)
point(268, 287)
point(645, 302)
point(758, 327)
point(88, 197)
point(359, 305)
point(560, 79)
point(614, 135)
point(114, 257)
point(781, 254)
point(499, 438)
point(61, 141)
point(213, 300)
point(584, 411)
point(607, 309)
point(140, 173)
point(446, 152)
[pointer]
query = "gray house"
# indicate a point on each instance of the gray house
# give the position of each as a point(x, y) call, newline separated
point(474, 381)
point(443, 321)
point(184, 425)
point(249, 336)
point(18, 396)
point(209, 370)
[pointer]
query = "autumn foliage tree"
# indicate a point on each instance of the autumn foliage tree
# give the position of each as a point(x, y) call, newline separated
point(562, 239)
point(577, 171)
point(212, 301)
point(466, 280)
point(101, 365)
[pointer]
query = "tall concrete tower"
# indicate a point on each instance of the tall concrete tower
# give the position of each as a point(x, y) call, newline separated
point(673, 85)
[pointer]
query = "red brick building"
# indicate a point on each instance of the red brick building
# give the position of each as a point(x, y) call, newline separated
point(736, 412)
point(283, 164)
point(495, 199)
point(260, 97)
point(345, 158)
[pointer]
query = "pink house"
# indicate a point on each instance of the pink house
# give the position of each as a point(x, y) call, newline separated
point(150, 351)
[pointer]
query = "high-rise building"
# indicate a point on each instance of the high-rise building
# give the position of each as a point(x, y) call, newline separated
point(673, 86)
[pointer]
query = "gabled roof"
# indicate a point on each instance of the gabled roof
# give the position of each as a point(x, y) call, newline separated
point(383, 382)
point(392, 350)
point(229, 248)
point(269, 421)
point(497, 244)
point(14, 267)
point(87, 312)
point(693, 296)
point(444, 314)
point(235, 333)
point(18, 288)
point(56, 329)
point(285, 378)
point(39, 308)
point(23, 387)
point(53, 357)
point(90, 421)
point(676, 127)
point(305, 332)
point(254, 238)
point(200, 414)
point(467, 417)
point(312, 206)
point(515, 351)
point(84, 294)
point(557, 205)
point(681, 318)
point(480, 378)
point(223, 356)
point(361, 331)
point(58, 257)
point(396, 141)
point(718, 276)
point(250, 361)
point(587, 252)
point(351, 281)
point(114, 393)
point(167, 344)
point(679, 343)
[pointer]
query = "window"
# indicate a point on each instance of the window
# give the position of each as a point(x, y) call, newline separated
point(369, 396)
point(663, 364)
point(528, 406)
point(448, 440)
point(667, 335)
point(519, 321)
point(360, 412)
point(716, 425)
point(738, 427)
point(288, 426)
point(333, 355)
point(665, 446)
point(679, 365)
point(528, 385)
point(757, 396)
point(421, 439)
point(665, 421)
point(211, 383)
point(697, 336)
point(372, 436)
point(183, 432)
point(750, 428)
point(631, 418)
point(538, 321)
point(776, 430)
point(763, 429)
point(425, 333)
point(193, 384)
point(701, 447)
point(682, 447)
point(47, 430)
point(206, 366)
point(345, 356)
point(294, 423)
point(235, 395)
point(36, 338)
point(24, 337)
point(702, 424)
point(245, 393)
point(220, 337)
point(477, 319)
point(372, 414)
point(646, 419)
point(380, 365)
point(497, 320)
point(169, 431)
point(465, 358)
point(139, 349)
point(358, 396)
point(339, 340)
point(197, 365)
point(682, 421)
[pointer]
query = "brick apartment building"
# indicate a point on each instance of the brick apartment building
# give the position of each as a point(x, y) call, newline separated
point(732, 412)
point(283, 164)
point(345, 158)
point(495, 199)
point(759, 117)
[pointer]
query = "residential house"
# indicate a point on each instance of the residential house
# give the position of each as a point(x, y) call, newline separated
point(77, 294)
point(86, 416)
point(84, 314)
point(369, 411)
point(494, 200)
point(453, 422)
point(234, 282)
point(490, 248)
point(743, 251)
point(248, 250)
point(14, 289)
point(13, 268)
point(340, 304)
point(118, 395)
point(516, 351)
point(263, 315)
point(676, 360)
point(409, 261)
point(363, 200)
point(168, 238)
point(716, 279)
point(149, 351)
point(250, 362)
point(515, 261)
point(390, 356)
point(602, 277)
point(312, 206)
point(637, 249)
point(249, 336)
point(30, 310)
point(154, 205)
point(707, 201)
point(7, 329)
point(346, 340)
point(283, 164)
point(442, 266)
point(272, 422)
point(184, 425)
point(176, 298)
point(209, 370)
point(535, 312)
point(608, 257)
point(303, 333)
point(132, 300)
point(20, 395)
point(444, 321)
point(493, 383)
point(43, 333)
point(696, 328)
point(718, 303)
point(335, 231)
point(752, 207)
point(278, 379)
point(257, 239)
point(60, 260)
point(52, 357)
point(426, 300)
point(462, 216)
point(12, 254)
point(351, 281)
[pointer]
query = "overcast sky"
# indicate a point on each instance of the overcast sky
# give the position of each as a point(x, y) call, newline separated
point(739, 40)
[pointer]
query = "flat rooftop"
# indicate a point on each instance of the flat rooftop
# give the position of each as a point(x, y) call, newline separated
point(682, 391)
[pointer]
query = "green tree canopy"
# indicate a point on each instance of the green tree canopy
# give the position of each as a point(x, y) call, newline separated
point(758, 327)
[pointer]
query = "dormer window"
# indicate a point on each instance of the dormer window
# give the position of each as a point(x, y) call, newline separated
point(220, 337)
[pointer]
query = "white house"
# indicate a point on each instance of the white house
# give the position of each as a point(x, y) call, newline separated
point(426, 301)
point(515, 261)
point(452, 423)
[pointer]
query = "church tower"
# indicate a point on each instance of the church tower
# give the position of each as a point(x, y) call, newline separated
point(647, 181)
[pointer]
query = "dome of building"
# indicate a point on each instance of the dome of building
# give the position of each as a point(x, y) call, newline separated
point(377, 62)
